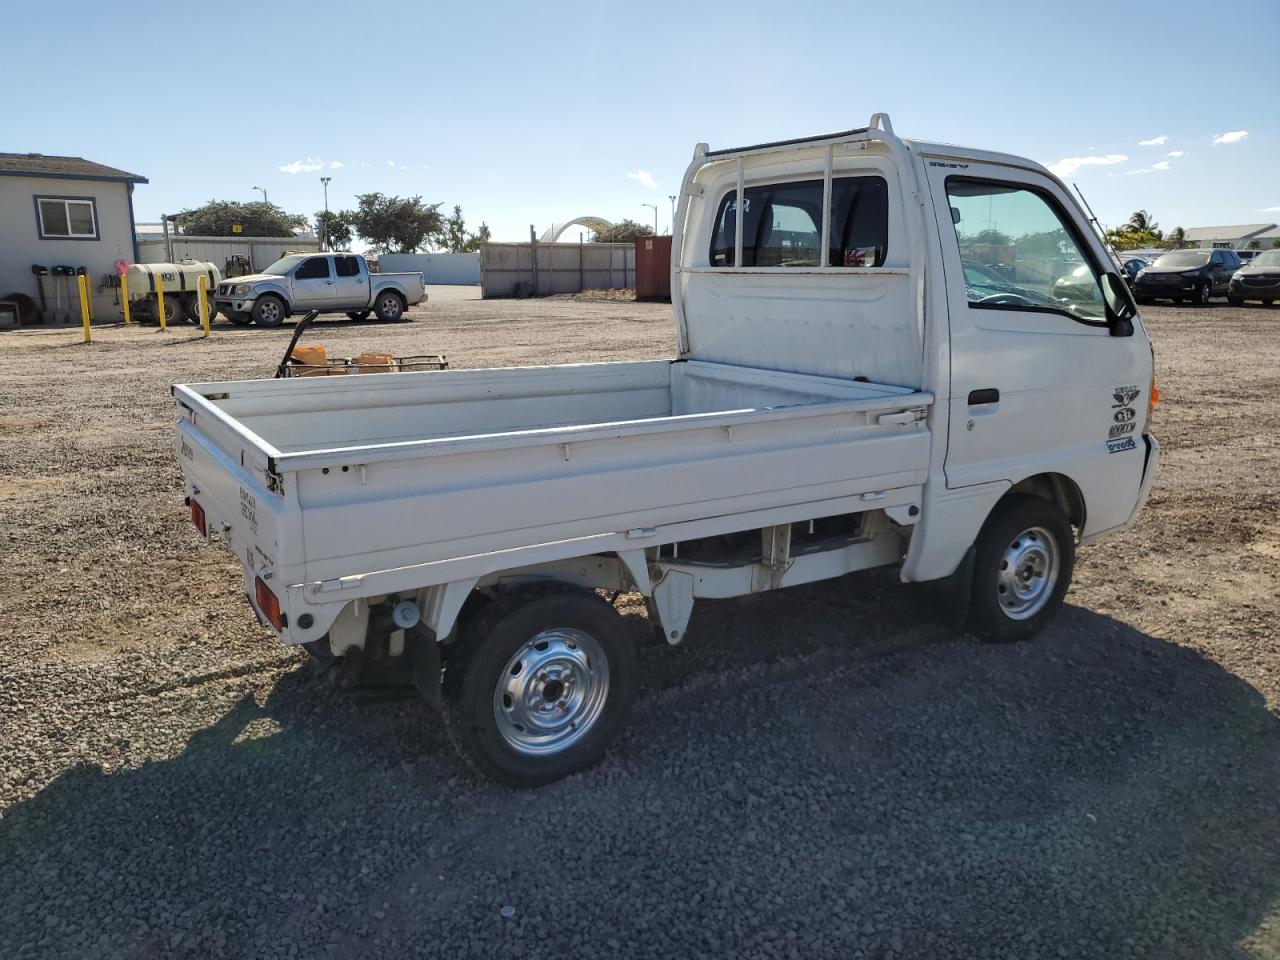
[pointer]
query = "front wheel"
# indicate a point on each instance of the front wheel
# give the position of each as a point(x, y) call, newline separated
point(268, 311)
point(357, 314)
point(1203, 293)
point(539, 686)
point(389, 306)
point(1023, 563)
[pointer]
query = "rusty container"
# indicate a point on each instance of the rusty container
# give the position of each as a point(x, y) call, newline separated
point(653, 268)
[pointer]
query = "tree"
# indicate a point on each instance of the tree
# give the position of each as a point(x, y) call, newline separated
point(1127, 238)
point(1275, 244)
point(1253, 245)
point(395, 224)
point(628, 231)
point(1176, 238)
point(1140, 221)
point(993, 237)
point(257, 219)
point(455, 238)
point(333, 229)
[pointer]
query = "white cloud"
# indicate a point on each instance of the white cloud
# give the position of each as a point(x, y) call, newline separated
point(336, 165)
point(645, 178)
point(403, 167)
point(1159, 141)
point(1174, 153)
point(1069, 165)
point(1271, 209)
point(302, 166)
point(1232, 136)
point(391, 163)
point(1162, 165)
point(1130, 173)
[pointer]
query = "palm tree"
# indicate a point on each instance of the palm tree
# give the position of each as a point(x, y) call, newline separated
point(1177, 237)
point(1141, 221)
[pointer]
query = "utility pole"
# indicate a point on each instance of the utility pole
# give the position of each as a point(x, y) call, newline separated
point(325, 182)
point(654, 207)
point(264, 193)
point(672, 197)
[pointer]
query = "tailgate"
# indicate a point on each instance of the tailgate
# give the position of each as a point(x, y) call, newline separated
point(225, 472)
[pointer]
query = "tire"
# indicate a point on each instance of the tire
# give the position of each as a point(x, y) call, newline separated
point(1144, 301)
point(1024, 535)
point(496, 684)
point(389, 306)
point(172, 310)
point(268, 311)
point(1235, 301)
point(191, 308)
point(1203, 292)
point(358, 314)
point(239, 319)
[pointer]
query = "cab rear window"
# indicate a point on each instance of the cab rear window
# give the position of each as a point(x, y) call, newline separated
point(782, 224)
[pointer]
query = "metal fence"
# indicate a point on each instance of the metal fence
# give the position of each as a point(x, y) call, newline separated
point(458, 268)
point(536, 269)
point(261, 251)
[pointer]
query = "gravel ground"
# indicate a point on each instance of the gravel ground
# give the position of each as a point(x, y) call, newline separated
point(825, 772)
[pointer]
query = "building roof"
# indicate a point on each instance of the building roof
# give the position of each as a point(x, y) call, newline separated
point(61, 168)
point(1241, 231)
point(1272, 234)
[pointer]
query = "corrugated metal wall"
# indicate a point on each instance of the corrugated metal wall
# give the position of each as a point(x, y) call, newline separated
point(512, 270)
point(261, 251)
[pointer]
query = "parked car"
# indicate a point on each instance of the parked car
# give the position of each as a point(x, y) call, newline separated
point(1186, 275)
point(1132, 266)
point(1259, 279)
point(469, 523)
point(1247, 255)
point(328, 282)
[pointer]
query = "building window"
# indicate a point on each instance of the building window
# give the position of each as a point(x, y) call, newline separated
point(67, 218)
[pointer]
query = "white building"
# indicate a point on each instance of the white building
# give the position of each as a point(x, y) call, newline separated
point(64, 212)
point(1234, 237)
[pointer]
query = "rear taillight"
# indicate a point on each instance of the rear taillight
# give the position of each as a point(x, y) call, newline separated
point(197, 517)
point(268, 604)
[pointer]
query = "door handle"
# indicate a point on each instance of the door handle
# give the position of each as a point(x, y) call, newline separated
point(986, 395)
point(329, 283)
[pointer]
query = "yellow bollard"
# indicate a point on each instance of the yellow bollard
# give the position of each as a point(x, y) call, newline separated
point(124, 297)
point(202, 284)
point(84, 308)
point(160, 300)
point(89, 281)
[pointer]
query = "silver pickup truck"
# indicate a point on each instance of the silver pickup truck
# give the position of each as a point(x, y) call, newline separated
point(327, 282)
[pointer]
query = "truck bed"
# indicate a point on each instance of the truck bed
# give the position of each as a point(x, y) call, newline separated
point(348, 476)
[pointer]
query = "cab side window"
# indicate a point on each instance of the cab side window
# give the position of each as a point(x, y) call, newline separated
point(316, 268)
point(347, 266)
point(1018, 252)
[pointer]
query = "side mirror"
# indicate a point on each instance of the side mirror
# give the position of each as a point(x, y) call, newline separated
point(1120, 306)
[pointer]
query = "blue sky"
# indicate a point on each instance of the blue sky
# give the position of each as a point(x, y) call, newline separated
point(529, 113)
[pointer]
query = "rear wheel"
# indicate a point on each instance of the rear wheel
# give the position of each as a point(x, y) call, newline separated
point(1023, 563)
point(389, 306)
point(268, 311)
point(358, 314)
point(539, 686)
point(1202, 294)
point(1235, 301)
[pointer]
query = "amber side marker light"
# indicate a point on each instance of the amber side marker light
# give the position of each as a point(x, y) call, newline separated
point(1155, 398)
point(268, 604)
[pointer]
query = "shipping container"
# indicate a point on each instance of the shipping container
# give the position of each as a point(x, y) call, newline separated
point(653, 268)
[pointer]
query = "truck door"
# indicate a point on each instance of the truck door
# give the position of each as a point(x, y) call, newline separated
point(351, 289)
point(1038, 382)
point(313, 285)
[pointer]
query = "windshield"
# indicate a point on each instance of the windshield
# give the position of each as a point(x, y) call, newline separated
point(1269, 259)
point(283, 265)
point(1181, 260)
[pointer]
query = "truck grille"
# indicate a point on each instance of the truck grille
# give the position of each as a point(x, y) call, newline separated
point(1264, 280)
point(1161, 278)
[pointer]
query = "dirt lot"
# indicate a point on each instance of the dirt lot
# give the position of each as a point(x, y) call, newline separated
point(827, 772)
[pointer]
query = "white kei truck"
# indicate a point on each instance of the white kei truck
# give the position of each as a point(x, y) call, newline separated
point(875, 366)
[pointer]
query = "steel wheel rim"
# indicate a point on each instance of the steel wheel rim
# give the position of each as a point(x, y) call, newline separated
point(1028, 573)
point(270, 312)
point(391, 308)
point(552, 692)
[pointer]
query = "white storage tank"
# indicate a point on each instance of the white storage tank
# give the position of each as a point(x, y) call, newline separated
point(180, 277)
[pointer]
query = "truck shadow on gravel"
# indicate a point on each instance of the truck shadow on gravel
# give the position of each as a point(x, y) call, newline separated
point(778, 793)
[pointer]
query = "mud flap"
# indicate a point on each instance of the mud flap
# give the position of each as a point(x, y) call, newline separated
point(425, 654)
point(953, 594)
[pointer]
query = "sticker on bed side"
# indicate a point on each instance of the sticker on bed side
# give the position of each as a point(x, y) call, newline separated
point(1124, 396)
point(1116, 446)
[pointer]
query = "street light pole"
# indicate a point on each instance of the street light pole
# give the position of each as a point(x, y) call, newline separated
point(325, 182)
point(264, 193)
point(654, 207)
point(672, 197)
